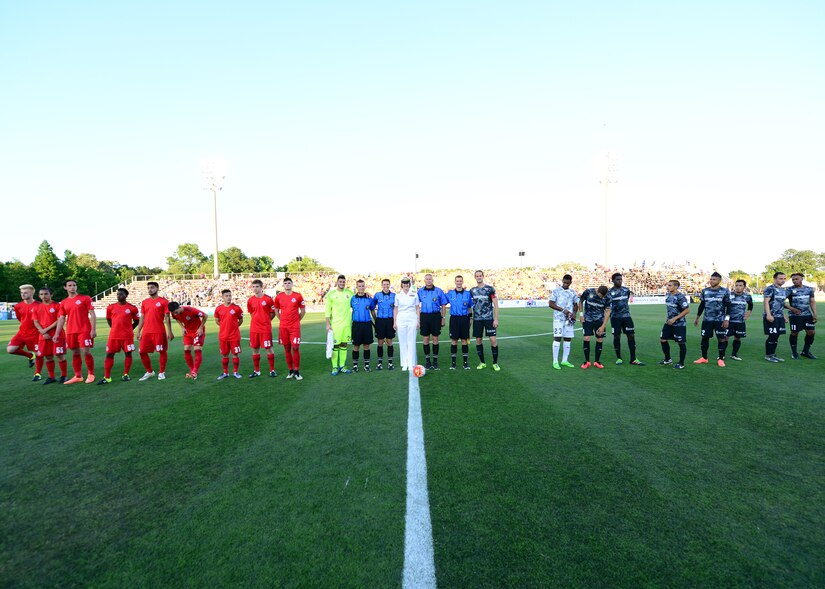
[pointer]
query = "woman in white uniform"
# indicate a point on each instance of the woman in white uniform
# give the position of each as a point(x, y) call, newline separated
point(406, 321)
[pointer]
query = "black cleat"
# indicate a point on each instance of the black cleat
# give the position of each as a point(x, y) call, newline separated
point(273, 374)
point(667, 362)
point(36, 377)
point(355, 368)
point(31, 361)
point(452, 366)
point(390, 367)
point(794, 356)
point(428, 365)
point(808, 355)
point(637, 363)
point(379, 367)
point(50, 380)
point(366, 368)
point(298, 376)
point(435, 365)
point(63, 379)
point(466, 366)
point(678, 366)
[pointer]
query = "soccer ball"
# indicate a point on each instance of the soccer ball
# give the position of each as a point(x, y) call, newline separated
point(419, 371)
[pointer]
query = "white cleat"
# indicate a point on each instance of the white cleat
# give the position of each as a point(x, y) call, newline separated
point(148, 375)
point(161, 376)
point(237, 375)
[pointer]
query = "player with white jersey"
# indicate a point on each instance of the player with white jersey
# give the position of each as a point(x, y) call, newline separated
point(565, 303)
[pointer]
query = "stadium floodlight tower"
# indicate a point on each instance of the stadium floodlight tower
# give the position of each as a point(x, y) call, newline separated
point(609, 176)
point(213, 173)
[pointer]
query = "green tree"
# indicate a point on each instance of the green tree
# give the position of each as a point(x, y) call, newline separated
point(306, 264)
point(807, 262)
point(48, 267)
point(740, 275)
point(187, 259)
point(233, 260)
point(12, 275)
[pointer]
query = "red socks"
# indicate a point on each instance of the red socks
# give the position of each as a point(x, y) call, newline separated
point(198, 360)
point(187, 355)
point(163, 357)
point(256, 363)
point(108, 363)
point(147, 361)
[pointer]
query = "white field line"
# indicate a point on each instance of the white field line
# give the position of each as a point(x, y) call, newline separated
point(419, 561)
point(419, 341)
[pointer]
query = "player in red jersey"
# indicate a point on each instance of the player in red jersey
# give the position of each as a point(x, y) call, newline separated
point(122, 318)
point(77, 315)
point(47, 346)
point(27, 335)
point(290, 309)
point(261, 309)
point(193, 322)
point(154, 313)
point(229, 318)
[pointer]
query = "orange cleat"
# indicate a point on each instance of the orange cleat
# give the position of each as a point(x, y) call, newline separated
point(586, 365)
point(74, 380)
point(90, 379)
point(720, 363)
point(701, 361)
point(598, 364)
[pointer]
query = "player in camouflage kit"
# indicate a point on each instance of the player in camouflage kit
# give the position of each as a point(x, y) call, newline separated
point(773, 319)
point(715, 303)
point(802, 306)
point(621, 321)
point(595, 305)
point(675, 328)
point(485, 318)
point(741, 305)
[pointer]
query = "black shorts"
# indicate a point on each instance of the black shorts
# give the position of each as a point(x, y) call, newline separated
point(383, 328)
point(677, 333)
point(802, 323)
point(709, 328)
point(430, 324)
point(590, 328)
point(622, 325)
point(362, 333)
point(480, 326)
point(739, 330)
point(459, 327)
point(777, 327)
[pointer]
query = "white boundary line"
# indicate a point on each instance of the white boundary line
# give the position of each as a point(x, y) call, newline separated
point(419, 561)
point(419, 341)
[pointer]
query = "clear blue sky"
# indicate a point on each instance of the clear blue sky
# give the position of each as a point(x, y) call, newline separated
point(360, 133)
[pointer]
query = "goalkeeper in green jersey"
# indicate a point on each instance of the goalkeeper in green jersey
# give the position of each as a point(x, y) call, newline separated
point(338, 314)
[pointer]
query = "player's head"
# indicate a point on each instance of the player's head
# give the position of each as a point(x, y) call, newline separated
point(715, 279)
point(479, 276)
point(673, 286)
point(26, 291)
point(566, 281)
point(341, 282)
point(616, 279)
point(288, 284)
point(45, 294)
point(602, 291)
point(428, 280)
point(779, 278)
point(405, 283)
point(122, 295)
point(71, 286)
point(175, 308)
point(796, 278)
point(385, 285)
point(152, 288)
point(226, 295)
point(739, 286)
point(360, 285)
point(459, 281)
point(257, 286)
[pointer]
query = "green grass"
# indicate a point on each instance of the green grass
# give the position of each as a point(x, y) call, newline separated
point(626, 477)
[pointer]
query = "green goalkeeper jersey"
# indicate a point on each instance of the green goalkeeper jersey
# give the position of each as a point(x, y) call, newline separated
point(337, 307)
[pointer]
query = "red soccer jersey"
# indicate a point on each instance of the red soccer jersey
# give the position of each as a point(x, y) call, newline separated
point(190, 319)
point(228, 316)
point(47, 315)
point(262, 310)
point(26, 314)
point(121, 317)
point(290, 306)
point(76, 311)
point(153, 312)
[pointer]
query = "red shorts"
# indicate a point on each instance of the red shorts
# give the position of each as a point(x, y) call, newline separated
point(289, 334)
point(260, 340)
point(79, 340)
point(50, 347)
point(192, 339)
point(153, 342)
point(229, 346)
point(113, 346)
point(29, 341)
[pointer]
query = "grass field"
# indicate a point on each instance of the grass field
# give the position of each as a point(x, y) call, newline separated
point(626, 477)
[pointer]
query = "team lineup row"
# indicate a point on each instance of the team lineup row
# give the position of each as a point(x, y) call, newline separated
point(48, 328)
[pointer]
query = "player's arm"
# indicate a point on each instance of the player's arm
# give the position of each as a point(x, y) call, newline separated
point(38, 327)
point(167, 319)
point(328, 311)
point(766, 302)
point(139, 326)
point(726, 309)
point(93, 321)
point(700, 311)
point(790, 308)
point(395, 316)
point(61, 321)
point(495, 310)
point(750, 309)
point(202, 326)
point(302, 311)
point(552, 304)
point(240, 318)
point(603, 327)
point(684, 313)
point(134, 322)
point(813, 308)
point(582, 302)
point(418, 314)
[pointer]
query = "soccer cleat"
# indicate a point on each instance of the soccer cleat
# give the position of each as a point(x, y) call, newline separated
point(74, 380)
point(701, 361)
point(90, 379)
point(298, 376)
point(404, 369)
point(585, 365)
point(481, 366)
point(556, 366)
point(678, 366)
point(380, 366)
point(50, 380)
point(794, 356)
point(720, 363)
point(223, 376)
point(188, 376)
point(161, 376)
point(272, 374)
point(496, 367)
point(147, 376)
point(452, 366)
point(618, 361)
point(390, 367)
point(366, 368)
point(237, 375)
point(466, 366)
point(125, 378)
point(63, 379)
point(737, 358)
point(335, 372)
point(567, 364)
point(808, 355)
point(290, 375)
point(598, 364)
point(667, 362)
point(428, 365)
point(346, 371)
point(355, 368)
point(435, 365)
point(773, 359)
point(36, 377)
point(31, 361)
point(104, 380)
point(637, 363)
point(194, 375)
point(778, 359)
point(255, 374)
